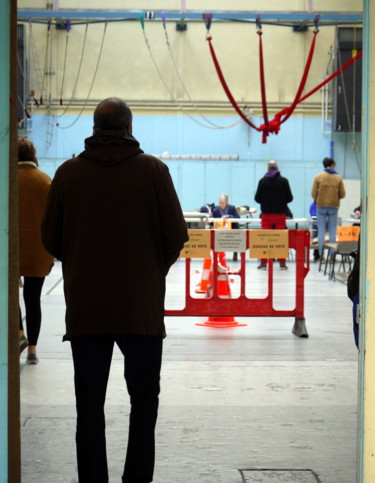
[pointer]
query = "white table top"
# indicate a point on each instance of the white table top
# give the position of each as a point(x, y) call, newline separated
point(352, 220)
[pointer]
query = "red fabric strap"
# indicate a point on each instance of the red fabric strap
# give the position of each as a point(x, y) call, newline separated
point(226, 88)
point(303, 80)
point(263, 88)
point(332, 76)
point(273, 125)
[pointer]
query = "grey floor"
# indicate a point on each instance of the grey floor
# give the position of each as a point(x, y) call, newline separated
point(245, 404)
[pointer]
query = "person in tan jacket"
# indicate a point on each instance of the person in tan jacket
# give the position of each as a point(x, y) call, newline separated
point(327, 191)
point(34, 261)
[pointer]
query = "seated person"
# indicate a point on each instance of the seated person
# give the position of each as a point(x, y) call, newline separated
point(314, 229)
point(225, 210)
point(357, 214)
point(207, 208)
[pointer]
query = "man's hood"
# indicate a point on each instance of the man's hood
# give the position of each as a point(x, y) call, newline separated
point(110, 155)
point(110, 147)
point(272, 173)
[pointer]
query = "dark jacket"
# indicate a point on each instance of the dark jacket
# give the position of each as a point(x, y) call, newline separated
point(114, 220)
point(273, 194)
point(232, 212)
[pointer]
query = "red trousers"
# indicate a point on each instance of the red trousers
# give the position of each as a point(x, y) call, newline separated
point(273, 221)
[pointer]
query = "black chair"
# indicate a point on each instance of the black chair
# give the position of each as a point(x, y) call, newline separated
point(344, 249)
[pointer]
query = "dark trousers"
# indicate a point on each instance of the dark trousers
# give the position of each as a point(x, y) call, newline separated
point(92, 357)
point(273, 221)
point(32, 289)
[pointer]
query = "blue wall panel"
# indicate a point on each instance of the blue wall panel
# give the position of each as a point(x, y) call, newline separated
point(219, 180)
point(212, 141)
point(299, 149)
point(243, 184)
point(163, 133)
point(191, 187)
point(296, 177)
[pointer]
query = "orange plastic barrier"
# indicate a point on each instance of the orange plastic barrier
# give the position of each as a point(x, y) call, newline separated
point(243, 306)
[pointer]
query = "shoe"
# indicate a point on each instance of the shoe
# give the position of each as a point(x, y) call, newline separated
point(23, 343)
point(283, 266)
point(262, 266)
point(32, 359)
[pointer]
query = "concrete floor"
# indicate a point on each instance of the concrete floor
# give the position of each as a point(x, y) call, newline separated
point(246, 404)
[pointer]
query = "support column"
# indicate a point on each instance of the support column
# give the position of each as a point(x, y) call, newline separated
point(14, 417)
point(10, 460)
point(366, 397)
point(4, 230)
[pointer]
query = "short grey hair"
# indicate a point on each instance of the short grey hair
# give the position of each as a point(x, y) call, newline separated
point(112, 114)
point(272, 165)
point(224, 197)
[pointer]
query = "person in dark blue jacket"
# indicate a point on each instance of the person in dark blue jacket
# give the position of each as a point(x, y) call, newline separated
point(224, 209)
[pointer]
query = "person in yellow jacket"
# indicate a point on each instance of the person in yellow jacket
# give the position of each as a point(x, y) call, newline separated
point(34, 261)
point(327, 191)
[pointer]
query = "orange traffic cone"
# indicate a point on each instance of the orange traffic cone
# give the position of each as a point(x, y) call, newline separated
point(222, 259)
point(223, 291)
point(205, 280)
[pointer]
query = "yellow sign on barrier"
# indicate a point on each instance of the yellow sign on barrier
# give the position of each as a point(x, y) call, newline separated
point(198, 245)
point(269, 244)
point(348, 233)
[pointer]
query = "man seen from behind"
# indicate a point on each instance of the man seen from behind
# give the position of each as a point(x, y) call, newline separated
point(273, 194)
point(327, 191)
point(114, 220)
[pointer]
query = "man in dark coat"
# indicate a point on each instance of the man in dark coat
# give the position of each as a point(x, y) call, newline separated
point(114, 220)
point(273, 194)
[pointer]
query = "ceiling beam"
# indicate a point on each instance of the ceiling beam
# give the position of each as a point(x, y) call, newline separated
point(27, 14)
